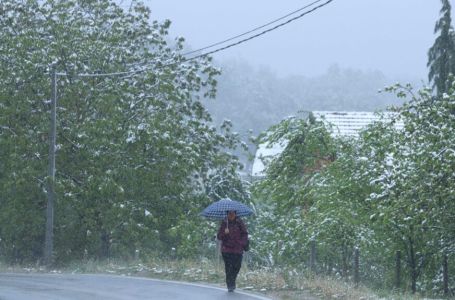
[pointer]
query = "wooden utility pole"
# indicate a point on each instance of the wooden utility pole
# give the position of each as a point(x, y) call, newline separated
point(49, 236)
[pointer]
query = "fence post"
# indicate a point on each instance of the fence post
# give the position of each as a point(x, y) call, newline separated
point(313, 255)
point(356, 266)
point(445, 274)
point(398, 269)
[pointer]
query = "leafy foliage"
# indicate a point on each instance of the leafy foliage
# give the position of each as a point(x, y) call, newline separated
point(391, 189)
point(136, 151)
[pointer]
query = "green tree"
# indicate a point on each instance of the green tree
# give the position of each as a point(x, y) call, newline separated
point(441, 56)
point(416, 199)
point(391, 189)
point(287, 190)
point(134, 151)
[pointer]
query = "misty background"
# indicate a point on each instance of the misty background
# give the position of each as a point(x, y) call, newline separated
point(386, 35)
point(338, 58)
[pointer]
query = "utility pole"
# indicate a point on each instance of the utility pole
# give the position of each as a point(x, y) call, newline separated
point(49, 236)
point(51, 196)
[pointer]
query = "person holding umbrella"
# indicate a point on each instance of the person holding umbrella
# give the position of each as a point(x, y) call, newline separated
point(232, 233)
point(233, 236)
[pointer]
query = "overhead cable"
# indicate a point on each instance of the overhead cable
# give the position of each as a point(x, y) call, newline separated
point(261, 33)
point(252, 30)
point(222, 42)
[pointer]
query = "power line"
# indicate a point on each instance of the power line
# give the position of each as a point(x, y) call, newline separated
point(132, 72)
point(252, 30)
point(263, 32)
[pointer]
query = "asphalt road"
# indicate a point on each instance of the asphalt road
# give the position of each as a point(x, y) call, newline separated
point(106, 287)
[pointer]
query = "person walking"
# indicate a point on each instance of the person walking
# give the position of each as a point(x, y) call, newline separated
point(233, 235)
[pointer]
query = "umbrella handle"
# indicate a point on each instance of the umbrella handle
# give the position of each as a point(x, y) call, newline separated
point(227, 222)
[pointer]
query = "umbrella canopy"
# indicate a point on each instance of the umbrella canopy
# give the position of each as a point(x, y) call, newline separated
point(219, 209)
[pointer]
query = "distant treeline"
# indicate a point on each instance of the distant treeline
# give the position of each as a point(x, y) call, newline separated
point(256, 98)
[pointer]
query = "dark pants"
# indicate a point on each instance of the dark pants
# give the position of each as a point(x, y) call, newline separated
point(232, 264)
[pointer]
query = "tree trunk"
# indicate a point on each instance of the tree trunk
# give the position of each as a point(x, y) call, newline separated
point(344, 261)
point(329, 266)
point(105, 244)
point(413, 266)
point(445, 274)
point(398, 270)
point(356, 266)
point(313, 256)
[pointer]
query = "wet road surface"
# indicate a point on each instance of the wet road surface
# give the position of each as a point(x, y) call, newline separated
point(106, 287)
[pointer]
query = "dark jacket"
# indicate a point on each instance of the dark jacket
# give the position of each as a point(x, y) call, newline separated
point(236, 239)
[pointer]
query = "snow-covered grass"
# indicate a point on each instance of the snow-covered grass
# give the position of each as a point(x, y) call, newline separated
point(277, 283)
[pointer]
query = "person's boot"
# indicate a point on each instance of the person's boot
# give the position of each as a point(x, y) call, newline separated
point(231, 287)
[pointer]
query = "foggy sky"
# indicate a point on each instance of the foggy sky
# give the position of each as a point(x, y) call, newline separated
point(392, 36)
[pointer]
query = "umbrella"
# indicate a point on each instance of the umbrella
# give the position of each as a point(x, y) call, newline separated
point(217, 210)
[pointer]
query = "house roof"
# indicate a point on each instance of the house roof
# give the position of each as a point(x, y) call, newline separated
point(344, 123)
point(349, 123)
point(264, 154)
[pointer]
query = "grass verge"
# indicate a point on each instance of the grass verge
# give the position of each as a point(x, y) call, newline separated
point(276, 283)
